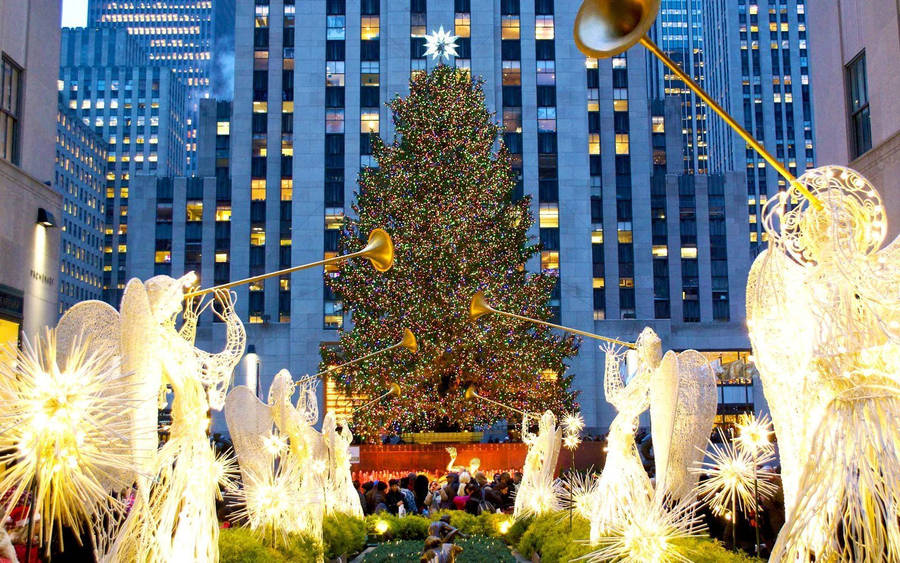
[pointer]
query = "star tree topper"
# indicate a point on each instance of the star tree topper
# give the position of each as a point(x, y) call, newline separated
point(441, 44)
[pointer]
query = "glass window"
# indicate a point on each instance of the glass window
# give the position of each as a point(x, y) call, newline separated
point(368, 120)
point(334, 120)
point(10, 91)
point(336, 27)
point(258, 189)
point(287, 189)
point(512, 73)
point(223, 213)
point(512, 120)
point(546, 119)
point(549, 216)
point(622, 143)
point(463, 24)
point(860, 125)
point(509, 27)
point(543, 27)
point(417, 24)
point(257, 236)
point(194, 211)
point(369, 73)
point(594, 143)
point(334, 73)
point(260, 60)
point(659, 125)
point(550, 260)
point(546, 73)
point(369, 28)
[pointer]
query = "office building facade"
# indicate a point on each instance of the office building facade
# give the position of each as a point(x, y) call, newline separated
point(80, 177)
point(191, 37)
point(758, 69)
point(634, 241)
point(857, 123)
point(678, 30)
point(30, 208)
point(138, 110)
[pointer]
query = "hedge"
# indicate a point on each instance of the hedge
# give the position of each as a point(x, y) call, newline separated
point(475, 550)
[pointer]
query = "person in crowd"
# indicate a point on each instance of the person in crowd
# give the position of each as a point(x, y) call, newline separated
point(448, 492)
point(421, 489)
point(394, 498)
point(460, 500)
point(409, 498)
point(433, 498)
point(377, 498)
point(365, 495)
point(474, 503)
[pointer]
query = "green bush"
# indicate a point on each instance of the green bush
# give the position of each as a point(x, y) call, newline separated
point(343, 534)
point(475, 550)
point(411, 527)
point(708, 550)
point(242, 545)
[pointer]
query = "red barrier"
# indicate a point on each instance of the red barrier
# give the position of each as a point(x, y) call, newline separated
point(401, 458)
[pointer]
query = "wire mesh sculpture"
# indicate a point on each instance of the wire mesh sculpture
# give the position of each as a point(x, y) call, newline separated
point(176, 517)
point(827, 287)
point(623, 480)
point(536, 494)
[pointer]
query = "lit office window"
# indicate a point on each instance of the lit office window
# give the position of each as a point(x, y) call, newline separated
point(858, 91)
point(509, 27)
point(369, 28)
point(543, 27)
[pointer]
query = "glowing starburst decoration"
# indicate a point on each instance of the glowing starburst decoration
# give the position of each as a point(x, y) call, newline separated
point(730, 477)
point(577, 491)
point(441, 44)
point(649, 531)
point(64, 428)
point(754, 433)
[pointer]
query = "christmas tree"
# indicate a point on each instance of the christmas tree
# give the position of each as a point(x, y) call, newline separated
point(443, 190)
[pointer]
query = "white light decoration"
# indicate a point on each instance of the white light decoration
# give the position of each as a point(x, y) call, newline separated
point(648, 531)
point(823, 309)
point(441, 44)
point(536, 494)
point(65, 427)
point(577, 492)
point(623, 480)
point(680, 390)
point(729, 483)
point(175, 519)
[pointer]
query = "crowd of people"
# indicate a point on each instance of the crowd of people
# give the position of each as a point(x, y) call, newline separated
point(417, 493)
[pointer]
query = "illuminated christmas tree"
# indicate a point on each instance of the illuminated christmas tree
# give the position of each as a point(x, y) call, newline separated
point(443, 190)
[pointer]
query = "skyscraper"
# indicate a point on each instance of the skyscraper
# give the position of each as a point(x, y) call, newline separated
point(181, 35)
point(759, 71)
point(138, 109)
point(634, 241)
point(81, 179)
point(679, 32)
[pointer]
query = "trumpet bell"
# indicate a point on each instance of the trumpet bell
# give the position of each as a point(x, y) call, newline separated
point(395, 390)
point(471, 393)
point(380, 250)
point(604, 28)
point(479, 306)
point(409, 341)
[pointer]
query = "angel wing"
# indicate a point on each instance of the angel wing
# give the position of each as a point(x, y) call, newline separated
point(93, 322)
point(683, 400)
point(249, 421)
point(139, 345)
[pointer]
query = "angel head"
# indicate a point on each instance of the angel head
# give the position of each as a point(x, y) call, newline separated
point(649, 349)
point(166, 295)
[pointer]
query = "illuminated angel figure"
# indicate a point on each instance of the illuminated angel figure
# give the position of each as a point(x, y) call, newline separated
point(536, 494)
point(176, 520)
point(623, 479)
point(340, 494)
point(280, 456)
point(829, 293)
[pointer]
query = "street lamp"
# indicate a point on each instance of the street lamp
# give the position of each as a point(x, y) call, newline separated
point(251, 370)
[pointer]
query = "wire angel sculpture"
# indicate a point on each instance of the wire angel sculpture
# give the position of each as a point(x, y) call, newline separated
point(277, 450)
point(176, 517)
point(340, 494)
point(680, 391)
point(536, 494)
point(623, 480)
point(823, 308)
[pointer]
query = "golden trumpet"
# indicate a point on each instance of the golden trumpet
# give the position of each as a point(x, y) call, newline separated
point(379, 251)
point(604, 28)
point(479, 307)
point(393, 391)
point(408, 342)
point(472, 393)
